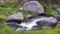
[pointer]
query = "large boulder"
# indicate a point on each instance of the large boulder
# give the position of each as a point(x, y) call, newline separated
point(33, 6)
point(18, 17)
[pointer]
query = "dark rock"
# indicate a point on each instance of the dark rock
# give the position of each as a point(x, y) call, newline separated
point(38, 27)
point(49, 22)
point(13, 25)
point(15, 21)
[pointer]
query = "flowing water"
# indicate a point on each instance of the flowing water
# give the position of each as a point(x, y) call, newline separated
point(29, 25)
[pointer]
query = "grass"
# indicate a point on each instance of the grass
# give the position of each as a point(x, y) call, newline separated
point(25, 13)
point(50, 10)
point(6, 30)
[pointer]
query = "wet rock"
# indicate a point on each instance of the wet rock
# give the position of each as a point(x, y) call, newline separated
point(51, 19)
point(18, 17)
point(33, 6)
point(13, 25)
point(36, 27)
point(49, 22)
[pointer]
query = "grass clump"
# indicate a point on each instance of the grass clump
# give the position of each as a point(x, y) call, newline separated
point(2, 17)
point(7, 30)
point(50, 10)
point(25, 13)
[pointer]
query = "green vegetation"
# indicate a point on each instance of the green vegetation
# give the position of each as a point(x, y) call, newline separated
point(6, 30)
point(7, 9)
point(25, 13)
point(2, 17)
point(50, 10)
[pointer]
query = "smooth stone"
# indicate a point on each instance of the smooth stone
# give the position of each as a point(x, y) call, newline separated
point(33, 6)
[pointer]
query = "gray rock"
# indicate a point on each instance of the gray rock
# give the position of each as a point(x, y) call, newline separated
point(51, 19)
point(50, 22)
point(33, 6)
point(15, 17)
